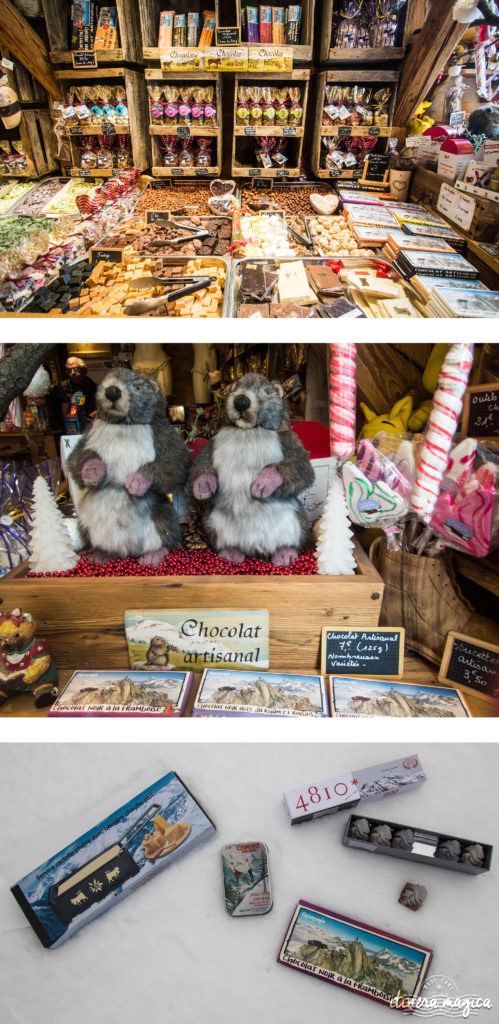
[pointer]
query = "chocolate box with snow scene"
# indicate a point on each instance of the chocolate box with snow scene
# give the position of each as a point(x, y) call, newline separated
point(111, 860)
point(331, 795)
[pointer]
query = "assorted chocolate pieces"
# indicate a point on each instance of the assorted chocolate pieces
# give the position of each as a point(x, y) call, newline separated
point(328, 796)
point(416, 844)
point(413, 895)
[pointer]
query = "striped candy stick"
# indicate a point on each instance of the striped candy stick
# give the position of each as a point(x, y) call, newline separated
point(442, 423)
point(342, 399)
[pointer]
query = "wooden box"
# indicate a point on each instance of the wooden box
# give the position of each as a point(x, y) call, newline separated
point(149, 21)
point(83, 619)
point(28, 89)
point(35, 133)
point(361, 55)
point(58, 22)
point(138, 113)
point(303, 52)
point(241, 167)
point(425, 187)
point(156, 77)
point(350, 77)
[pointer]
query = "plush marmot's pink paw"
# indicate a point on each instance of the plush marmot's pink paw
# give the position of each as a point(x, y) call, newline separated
point(98, 556)
point(137, 483)
point(266, 482)
point(153, 558)
point(93, 472)
point(232, 554)
point(284, 556)
point(205, 486)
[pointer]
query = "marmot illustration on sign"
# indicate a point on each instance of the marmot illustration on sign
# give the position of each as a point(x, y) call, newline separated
point(130, 461)
point(251, 476)
point(157, 653)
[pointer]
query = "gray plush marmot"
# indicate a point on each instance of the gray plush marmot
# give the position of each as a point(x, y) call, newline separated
point(251, 476)
point(128, 461)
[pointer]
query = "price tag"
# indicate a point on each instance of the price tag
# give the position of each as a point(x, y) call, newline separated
point(343, 131)
point(255, 172)
point(177, 171)
point(459, 208)
point(228, 36)
point(84, 59)
point(108, 255)
point(472, 663)
point(289, 131)
point(76, 130)
point(281, 173)
point(108, 128)
point(377, 653)
point(7, 64)
point(263, 183)
point(250, 129)
point(202, 172)
point(76, 172)
point(481, 411)
point(374, 131)
point(183, 131)
point(154, 215)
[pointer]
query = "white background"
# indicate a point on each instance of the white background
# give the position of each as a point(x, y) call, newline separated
point(169, 953)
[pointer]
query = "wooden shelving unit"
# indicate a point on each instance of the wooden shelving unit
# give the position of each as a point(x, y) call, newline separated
point(155, 76)
point(357, 54)
point(35, 134)
point(57, 20)
point(138, 114)
point(303, 52)
point(29, 91)
point(149, 11)
point(242, 169)
point(350, 77)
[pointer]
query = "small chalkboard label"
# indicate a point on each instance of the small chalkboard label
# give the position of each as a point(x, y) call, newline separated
point(263, 183)
point(344, 130)
point(202, 172)
point(153, 215)
point(281, 173)
point(374, 131)
point(481, 411)
point(375, 167)
point(289, 131)
point(84, 59)
point(76, 130)
point(471, 663)
point(183, 131)
point(177, 171)
point(250, 129)
point(109, 255)
point(77, 172)
point(255, 172)
point(228, 36)
point(108, 128)
point(376, 653)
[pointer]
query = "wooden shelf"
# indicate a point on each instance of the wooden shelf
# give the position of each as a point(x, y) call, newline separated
point(239, 171)
point(364, 55)
point(247, 170)
point(96, 129)
point(57, 22)
point(186, 172)
point(302, 53)
point(194, 130)
point(101, 56)
point(95, 172)
point(278, 133)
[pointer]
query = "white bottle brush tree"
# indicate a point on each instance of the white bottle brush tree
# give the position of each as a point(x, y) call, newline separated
point(50, 545)
point(334, 551)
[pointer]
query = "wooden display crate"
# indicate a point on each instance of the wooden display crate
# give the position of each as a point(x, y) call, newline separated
point(239, 169)
point(58, 24)
point(82, 619)
point(149, 20)
point(350, 77)
point(425, 187)
point(360, 55)
point(35, 133)
point(154, 76)
point(303, 52)
point(138, 112)
point(28, 89)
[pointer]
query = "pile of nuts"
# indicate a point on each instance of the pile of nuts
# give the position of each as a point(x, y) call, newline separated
point(289, 199)
point(173, 197)
point(332, 237)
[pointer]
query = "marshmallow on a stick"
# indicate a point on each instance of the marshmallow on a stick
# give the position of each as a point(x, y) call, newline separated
point(442, 423)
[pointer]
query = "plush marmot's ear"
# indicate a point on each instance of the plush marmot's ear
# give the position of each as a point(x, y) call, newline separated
point(278, 387)
point(155, 383)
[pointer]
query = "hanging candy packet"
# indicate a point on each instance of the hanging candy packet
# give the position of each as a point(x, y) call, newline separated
point(348, 24)
point(268, 108)
point(255, 110)
point(184, 107)
point(266, 145)
point(155, 104)
point(121, 105)
point(281, 109)
point(278, 156)
point(295, 116)
point(171, 105)
point(197, 107)
point(379, 483)
point(204, 154)
point(466, 512)
point(210, 108)
point(334, 160)
point(169, 147)
point(187, 153)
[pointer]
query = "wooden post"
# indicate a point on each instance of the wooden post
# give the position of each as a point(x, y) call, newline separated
point(27, 47)
point(430, 52)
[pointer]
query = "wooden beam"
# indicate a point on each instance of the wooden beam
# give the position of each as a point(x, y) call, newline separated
point(430, 52)
point(27, 47)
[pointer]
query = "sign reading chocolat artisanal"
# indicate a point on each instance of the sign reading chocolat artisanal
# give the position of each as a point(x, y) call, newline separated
point(197, 638)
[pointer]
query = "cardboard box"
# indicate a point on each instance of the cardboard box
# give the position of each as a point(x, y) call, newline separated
point(453, 158)
point(106, 36)
point(104, 865)
point(330, 795)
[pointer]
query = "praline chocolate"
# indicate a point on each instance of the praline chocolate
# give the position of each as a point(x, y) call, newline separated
point(413, 895)
point(449, 849)
point(403, 839)
point(360, 829)
point(473, 854)
point(381, 835)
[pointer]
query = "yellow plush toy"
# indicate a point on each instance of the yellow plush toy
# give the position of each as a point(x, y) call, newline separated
point(394, 422)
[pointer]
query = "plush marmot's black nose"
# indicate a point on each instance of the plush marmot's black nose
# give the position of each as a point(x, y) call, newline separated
point(241, 403)
point(113, 393)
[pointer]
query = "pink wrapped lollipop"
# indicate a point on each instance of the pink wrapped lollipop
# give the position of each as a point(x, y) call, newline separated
point(342, 399)
point(445, 412)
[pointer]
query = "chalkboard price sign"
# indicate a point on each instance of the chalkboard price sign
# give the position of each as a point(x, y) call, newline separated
point(471, 663)
point(263, 183)
point(249, 129)
point(109, 255)
point(153, 215)
point(228, 36)
point(84, 59)
point(183, 131)
point(376, 653)
point(254, 172)
point(289, 131)
point(481, 411)
point(375, 167)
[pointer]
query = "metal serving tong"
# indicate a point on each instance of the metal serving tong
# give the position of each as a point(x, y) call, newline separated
point(306, 241)
point(146, 305)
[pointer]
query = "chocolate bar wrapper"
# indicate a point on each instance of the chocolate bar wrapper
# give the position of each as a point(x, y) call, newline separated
point(110, 861)
point(252, 24)
point(277, 25)
point(193, 28)
point(179, 30)
point(293, 25)
point(165, 37)
point(265, 24)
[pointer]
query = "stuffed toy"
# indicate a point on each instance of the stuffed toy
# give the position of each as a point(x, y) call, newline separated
point(250, 477)
point(394, 422)
point(132, 466)
point(26, 665)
